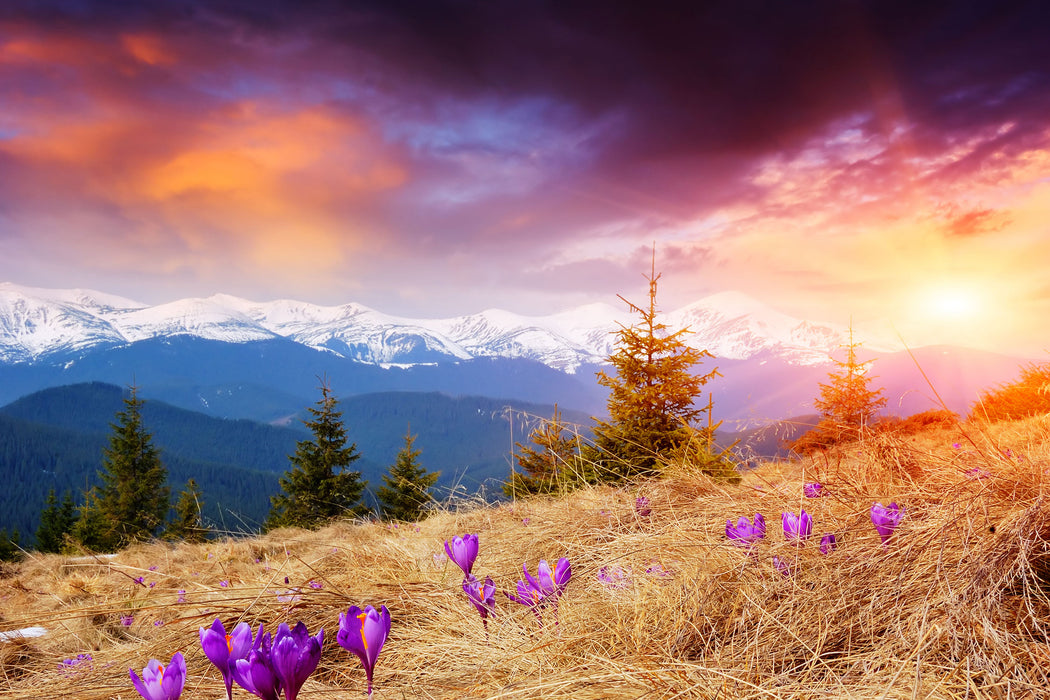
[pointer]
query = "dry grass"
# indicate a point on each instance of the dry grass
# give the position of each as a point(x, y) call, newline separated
point(955, 607)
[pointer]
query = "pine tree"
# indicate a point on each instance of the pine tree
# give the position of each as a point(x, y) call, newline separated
point(56, 522)
point(551, 466)
point(188, 525)
point(9, 549)
point(406, 493)
point(132, 495)
point(846, 404)
point(92, 529)
point(652, 406)
point(319, 486)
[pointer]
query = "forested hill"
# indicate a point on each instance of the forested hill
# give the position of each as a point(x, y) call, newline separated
point(35, 458)
point(92, 407)
point(54, 438)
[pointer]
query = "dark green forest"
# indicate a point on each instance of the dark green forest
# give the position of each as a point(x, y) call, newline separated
point(35, 458)
point(54, 439)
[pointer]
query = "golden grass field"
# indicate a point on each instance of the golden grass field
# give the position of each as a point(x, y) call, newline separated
point(956, 606)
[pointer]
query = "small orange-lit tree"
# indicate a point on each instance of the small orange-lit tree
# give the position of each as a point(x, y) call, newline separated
point(847, 405)
point(551, 466)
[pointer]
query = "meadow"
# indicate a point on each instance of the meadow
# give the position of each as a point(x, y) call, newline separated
point(956, 604)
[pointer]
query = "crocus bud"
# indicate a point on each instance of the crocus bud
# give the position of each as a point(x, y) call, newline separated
point(161, 682)
point(363, 633)
point(463, 550)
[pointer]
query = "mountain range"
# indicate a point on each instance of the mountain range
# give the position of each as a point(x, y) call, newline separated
point(39, 324)
point(236, 358)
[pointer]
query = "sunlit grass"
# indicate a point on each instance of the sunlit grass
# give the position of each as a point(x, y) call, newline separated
point(955, 606)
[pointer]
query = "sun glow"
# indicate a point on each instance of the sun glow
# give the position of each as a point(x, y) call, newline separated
point(952, 303)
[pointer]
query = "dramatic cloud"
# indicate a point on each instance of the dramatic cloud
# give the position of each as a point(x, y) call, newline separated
point(833, 158)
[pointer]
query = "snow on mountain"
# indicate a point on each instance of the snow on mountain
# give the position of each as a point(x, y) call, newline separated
point(735, 326)
point(37, 323)
point(204, 318)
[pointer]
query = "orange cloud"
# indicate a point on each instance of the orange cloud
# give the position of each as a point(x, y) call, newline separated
point(149, 49)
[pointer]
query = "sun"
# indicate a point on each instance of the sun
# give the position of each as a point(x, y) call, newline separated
point(952, 302)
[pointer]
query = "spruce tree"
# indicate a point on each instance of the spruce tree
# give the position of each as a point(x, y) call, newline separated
point(132, 494)
point(406, 495)
point(9, 549)
point(847, 406)
point(319, 486)
point(551, 466)
point(652, 404)
point(92, 529)
point(56, 522)
point(188, 525)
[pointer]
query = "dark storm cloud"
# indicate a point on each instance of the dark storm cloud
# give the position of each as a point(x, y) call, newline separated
point(739, 76)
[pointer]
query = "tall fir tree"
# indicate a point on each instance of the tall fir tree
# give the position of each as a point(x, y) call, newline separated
point(319, 486)
point(132, 494)
point(188, 524)
point(652, 404)
point(549, 467)
point(56, 523)
point(405, 495)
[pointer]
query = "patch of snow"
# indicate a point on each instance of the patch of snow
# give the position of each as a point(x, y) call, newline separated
point(24, 633)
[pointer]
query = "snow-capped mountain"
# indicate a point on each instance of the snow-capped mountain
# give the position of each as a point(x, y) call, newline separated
point(38, 324)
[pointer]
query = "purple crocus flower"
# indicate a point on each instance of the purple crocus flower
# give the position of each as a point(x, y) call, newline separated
point(614, 577)
point(886, 519)
point(827, 543)
point(657, 569)
point(538, 590)
point(363, 633)
point(813, 490)
point(744, 533)
point(255, 672)
point(161, 682)
point(294, 655)
point(463, 550)
point(482, 595)
point(782, 566)
point(224, 650)
point(547, 583)
point(527, 595)
point(797, 527)
point(642, 507)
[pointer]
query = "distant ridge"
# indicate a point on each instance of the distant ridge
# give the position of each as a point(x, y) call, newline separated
point(38, 324)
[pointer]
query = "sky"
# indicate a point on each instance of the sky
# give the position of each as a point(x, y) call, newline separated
point(880, 161)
